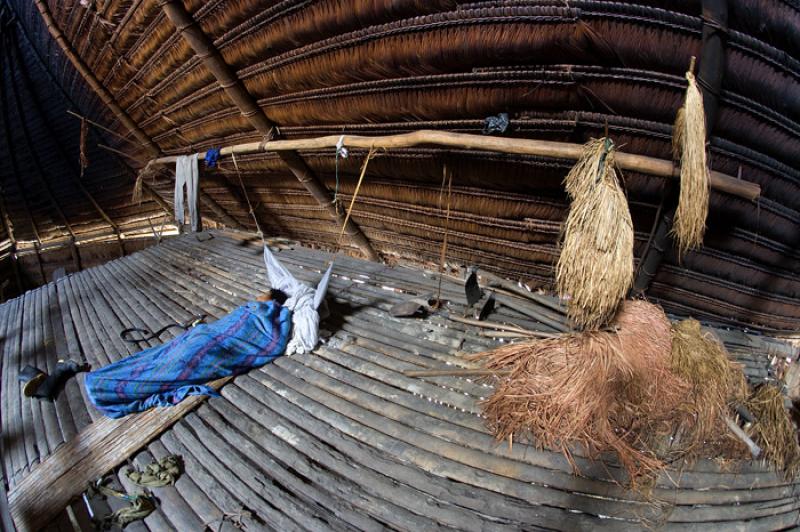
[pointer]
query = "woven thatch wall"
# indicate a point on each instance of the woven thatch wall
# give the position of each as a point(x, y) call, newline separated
point(562, 70)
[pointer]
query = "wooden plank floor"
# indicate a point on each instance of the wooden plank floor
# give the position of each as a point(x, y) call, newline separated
point(340, 438)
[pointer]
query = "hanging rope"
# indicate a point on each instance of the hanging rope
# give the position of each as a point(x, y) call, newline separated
point(247, 199)
point(370, 155)
point(446, 176)
point(340, 151)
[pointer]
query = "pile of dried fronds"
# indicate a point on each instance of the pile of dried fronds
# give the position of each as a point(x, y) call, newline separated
point(604, 391)
point(642, 390)
point(595, 268)
point(689, 146)
point(716, 384)
point(774, 431)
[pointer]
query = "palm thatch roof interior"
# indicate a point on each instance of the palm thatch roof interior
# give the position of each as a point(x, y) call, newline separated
point(94, 92)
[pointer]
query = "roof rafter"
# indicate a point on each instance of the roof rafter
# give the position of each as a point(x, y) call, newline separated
point(73, 172)
point(40, 172)
point(191, 32)
point(108, 99)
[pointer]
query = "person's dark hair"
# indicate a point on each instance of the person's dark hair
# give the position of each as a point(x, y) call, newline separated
point(278, 295)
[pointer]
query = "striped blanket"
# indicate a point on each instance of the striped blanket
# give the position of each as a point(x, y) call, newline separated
point(249, 337)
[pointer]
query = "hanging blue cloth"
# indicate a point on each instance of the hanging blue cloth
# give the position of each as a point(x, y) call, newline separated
point(252, 335)
point(212, 156)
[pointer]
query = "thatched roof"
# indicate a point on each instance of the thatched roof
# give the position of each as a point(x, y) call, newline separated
point(562, 70)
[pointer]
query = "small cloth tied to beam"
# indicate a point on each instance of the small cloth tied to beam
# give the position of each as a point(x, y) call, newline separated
point(212, 156)
point(249, 337)
point(304, 302)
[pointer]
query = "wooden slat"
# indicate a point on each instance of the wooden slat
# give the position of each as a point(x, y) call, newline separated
point(97, 449)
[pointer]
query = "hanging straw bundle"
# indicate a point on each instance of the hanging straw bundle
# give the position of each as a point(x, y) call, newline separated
point(603, 391)
point(716, 384)
point(689, 147)
point(774, 430)
point(595, 268)
point(146, 172)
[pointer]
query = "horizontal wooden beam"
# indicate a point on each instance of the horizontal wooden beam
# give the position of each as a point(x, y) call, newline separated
point(542, 148)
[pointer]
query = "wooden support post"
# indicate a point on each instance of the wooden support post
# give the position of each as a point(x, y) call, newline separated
point(709, 79)
point(236, 91)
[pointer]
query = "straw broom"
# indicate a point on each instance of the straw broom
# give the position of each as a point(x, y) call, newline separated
point(689, 147)
point(595, 268)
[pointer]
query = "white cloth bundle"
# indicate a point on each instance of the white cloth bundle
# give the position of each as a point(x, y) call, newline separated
point(303, 301)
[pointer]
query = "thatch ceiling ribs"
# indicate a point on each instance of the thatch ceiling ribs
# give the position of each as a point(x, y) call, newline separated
point(152, 148)
point(13, 158)
point(71, 170)
point(39, 170)
point(236, 91)
point(92, 132)
point(88, 76)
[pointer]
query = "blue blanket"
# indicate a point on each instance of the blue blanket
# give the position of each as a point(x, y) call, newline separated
point(249, 337)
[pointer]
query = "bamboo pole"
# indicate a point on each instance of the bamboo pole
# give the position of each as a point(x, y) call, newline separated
point(542, 148)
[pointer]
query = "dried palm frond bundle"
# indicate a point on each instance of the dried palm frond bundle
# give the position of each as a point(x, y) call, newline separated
point(595, 268)
point(717, 383)
point(689, 147)
point(774, 430)
point(147, 172)
point(605, 391)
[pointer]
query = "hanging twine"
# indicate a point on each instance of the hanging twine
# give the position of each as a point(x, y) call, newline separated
point(370, 155)
point(247, 198)
point(446, 176)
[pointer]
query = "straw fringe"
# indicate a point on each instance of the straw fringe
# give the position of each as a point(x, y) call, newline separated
point(689, 146)
point(595, 269)
point(774, 430)
point(716, 384)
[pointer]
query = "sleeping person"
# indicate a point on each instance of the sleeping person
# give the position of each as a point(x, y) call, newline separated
point(284, 321)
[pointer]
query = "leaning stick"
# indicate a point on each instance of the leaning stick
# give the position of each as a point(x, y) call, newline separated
point(453, 372)
point(542, 148)
point(514, 334)
point(491, 325)
point(755, 450)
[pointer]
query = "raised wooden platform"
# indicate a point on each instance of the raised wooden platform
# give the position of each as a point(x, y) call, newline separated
point(340, 439)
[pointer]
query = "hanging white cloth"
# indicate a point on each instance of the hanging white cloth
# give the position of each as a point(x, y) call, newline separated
point(187, 173)
point(303, 301)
